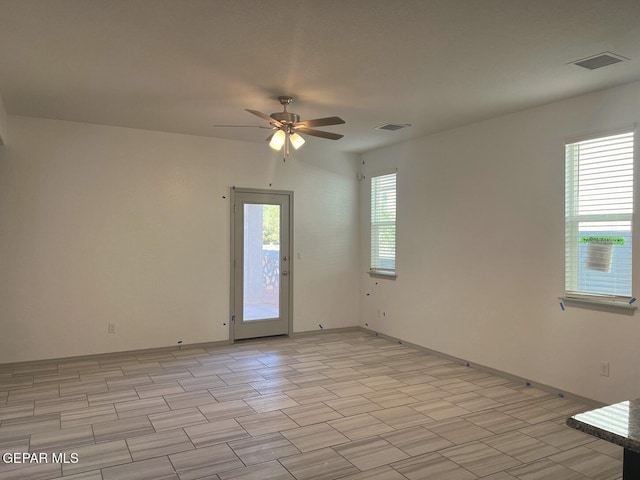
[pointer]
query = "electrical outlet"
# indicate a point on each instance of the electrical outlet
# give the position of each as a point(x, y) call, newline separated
point(604, 369)
point(112, 328)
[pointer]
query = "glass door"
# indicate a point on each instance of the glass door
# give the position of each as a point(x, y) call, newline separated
point(261, 264)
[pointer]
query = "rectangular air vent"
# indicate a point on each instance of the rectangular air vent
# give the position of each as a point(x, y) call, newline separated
point(600, 60)
point(392, 127)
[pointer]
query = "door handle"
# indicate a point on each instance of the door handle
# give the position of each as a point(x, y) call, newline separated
point(284, 272)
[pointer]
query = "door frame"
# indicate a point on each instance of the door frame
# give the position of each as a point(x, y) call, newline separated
point(232, 257)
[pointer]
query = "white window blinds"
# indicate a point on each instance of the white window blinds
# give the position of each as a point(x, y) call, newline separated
point(598, 215)
point(383, 223)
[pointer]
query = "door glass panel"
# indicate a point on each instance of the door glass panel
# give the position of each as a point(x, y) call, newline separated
point(261, 292)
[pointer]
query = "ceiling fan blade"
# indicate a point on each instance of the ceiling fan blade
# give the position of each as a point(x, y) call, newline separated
point(321, 122)
point(244, 126)
point(264, 116)
point(319, 133)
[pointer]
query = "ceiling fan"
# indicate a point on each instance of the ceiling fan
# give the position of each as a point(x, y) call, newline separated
point(288, 126)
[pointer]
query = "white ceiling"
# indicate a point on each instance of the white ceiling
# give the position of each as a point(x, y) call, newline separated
point(184, 65)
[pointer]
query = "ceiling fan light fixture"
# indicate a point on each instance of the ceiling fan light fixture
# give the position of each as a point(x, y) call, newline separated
point(296, 140)
point(278, 139)
point(286, 126)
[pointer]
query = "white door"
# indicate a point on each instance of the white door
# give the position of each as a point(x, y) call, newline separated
point(261, 263)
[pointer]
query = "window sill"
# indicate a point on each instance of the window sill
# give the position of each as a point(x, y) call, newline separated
point(382, 274)
point(610, 306)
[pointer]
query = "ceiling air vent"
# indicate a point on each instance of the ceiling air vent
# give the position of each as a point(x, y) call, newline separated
point(600, 60)
point(392, 127)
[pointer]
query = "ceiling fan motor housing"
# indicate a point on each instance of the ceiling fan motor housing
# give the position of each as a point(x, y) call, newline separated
point(286, 117)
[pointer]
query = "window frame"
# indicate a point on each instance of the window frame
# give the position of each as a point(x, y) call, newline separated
point(375, 268)
point(573, 296)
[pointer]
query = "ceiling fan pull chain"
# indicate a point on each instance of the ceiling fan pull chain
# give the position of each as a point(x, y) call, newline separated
point(287, 143)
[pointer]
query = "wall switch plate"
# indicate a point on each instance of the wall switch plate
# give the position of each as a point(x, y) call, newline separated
point(112, 328)
point(604, 369)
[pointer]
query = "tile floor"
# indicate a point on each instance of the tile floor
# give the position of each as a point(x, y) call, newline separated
point(346, 405)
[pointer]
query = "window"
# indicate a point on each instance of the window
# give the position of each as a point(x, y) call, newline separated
point(383, 224)
point(598, 216)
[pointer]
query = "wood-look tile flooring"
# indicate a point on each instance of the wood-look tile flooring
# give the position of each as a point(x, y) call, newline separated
point(346, 405)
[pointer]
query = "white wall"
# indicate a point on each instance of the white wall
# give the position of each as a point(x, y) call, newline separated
point(480, 254)
point(3, 123)
point(102, 224)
